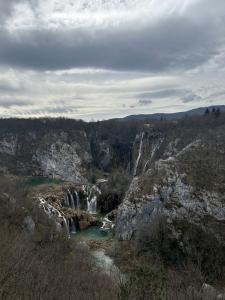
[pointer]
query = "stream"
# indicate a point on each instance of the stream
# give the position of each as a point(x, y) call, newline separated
point(104, 261)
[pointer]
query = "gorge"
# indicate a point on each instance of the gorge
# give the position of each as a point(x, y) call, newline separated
point(132, 178)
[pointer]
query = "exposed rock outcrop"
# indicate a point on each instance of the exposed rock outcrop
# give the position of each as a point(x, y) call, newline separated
point(174, 180)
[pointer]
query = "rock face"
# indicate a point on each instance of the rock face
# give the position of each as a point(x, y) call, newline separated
point(51, 155)
point(68, 150)
point(174, 199)
point(180, 176)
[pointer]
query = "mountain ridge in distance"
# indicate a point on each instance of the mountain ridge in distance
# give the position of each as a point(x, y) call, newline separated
point(172, 116)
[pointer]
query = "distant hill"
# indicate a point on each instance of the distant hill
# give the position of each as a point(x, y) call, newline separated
point(173, 116)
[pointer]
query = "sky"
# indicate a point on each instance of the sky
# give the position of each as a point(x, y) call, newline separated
point(100, 59)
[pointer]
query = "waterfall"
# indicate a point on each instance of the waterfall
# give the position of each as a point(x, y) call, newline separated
point(92, 205)
point(52, 212)
point(107, 224)
point(139, 155)
point(77, 200)
point(91, 193)
point(72, 202)
point(66, 226)
point(72, 226)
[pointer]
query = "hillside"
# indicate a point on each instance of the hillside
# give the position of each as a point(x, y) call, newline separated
point(160, 182)
point(174, 116)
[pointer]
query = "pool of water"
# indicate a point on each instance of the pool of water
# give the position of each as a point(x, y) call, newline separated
point(33, 181)
point(94, 233)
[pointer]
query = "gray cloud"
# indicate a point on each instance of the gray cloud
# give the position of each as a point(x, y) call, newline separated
point(176, 42)
point(217, 94)
point(8, 103)
point(191, 97)
point(144, 102)
point(6, 9)
point(53, 110)
point(164, 93)
point(7, 88)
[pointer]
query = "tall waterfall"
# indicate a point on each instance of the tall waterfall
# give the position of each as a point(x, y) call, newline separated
point(139, 155)
point(72, 199)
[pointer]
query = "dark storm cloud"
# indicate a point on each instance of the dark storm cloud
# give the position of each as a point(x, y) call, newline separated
point(177, 43)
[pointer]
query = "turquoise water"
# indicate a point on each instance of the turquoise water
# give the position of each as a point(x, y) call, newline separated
point(33, 181)
point(104, 261)
point(94, 233)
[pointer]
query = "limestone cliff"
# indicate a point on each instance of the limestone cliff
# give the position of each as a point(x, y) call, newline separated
point(180, 175)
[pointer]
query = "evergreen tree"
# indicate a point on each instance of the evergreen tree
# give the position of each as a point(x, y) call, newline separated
point(207, 111)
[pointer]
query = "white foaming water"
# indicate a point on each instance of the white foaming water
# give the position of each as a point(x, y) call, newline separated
point(73, 205)
point(52, 212)
point(92, 205)
point(139, 155)
point(91, 193)
point(107, 224)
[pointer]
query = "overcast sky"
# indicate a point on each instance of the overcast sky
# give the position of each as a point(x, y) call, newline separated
point(98, 59)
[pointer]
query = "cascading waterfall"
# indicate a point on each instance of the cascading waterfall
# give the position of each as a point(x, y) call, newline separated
point(72, 202)
point(66, 226)
point(139, 155)
point(107, 224)
point(92, 205)
point(77, 200)
point(52, 212)
point(90, 192)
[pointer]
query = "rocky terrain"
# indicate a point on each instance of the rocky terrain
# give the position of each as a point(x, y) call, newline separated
point(141, 171)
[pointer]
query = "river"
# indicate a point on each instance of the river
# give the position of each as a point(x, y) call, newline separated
point(95, 235)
